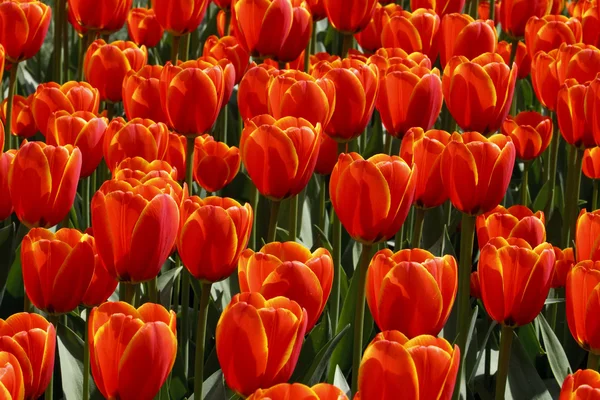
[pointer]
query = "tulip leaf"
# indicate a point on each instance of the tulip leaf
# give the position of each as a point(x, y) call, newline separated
point(314, 343)
point(526, 91)
point(340, 381)
point(7, 252)
point(323, 239)
point(556, 354)
point(554, 300)
point(529, 338)
point(165, 285)
point(481, 352)
point(524, 382)
point(14, 292)
point(213, 387)
point(317, 369)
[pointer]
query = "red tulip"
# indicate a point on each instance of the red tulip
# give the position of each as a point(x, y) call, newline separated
point(349, 16)
point(589, 24)
point(572, 117)
point(179, 17)
point(6, 205)
point(228, 47)
point(522, 58)
point(441, 7)
point(416, 32)
point(587, 232)
point(24, 28)
point(328, 155)
point(105, 16)
point(461, 35)
point(176, 154)
point(591, 163)
point(369, 39)
point(141, 94)
point(583, 384)
point(474, 286)
point(515, 222)
point(549, 32)
point(11, 377)
point(564, 262)
point(322, 391)
point(22, 124)
point(143, 27)
point(215, 163)
point(530, 132)
point(582, 302)
point(514, 14)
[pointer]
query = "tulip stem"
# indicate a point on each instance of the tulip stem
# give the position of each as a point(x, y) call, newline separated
point(12, 87)
point(418, 228)
point(189, 165)
point(26, 302)
point(293, 218)
point(272, 235)
point(572, 193)
point(200, 339)
point(492, 10)
point(127, 292)
point(337, 263)
point(322, 202)
point(153, 290)
point(85, 200)
point(255, 197)
point(399, 239)
point(506, 338)
point(347, 44)
point(473, 8)
point(59, 8)
point(359, 315)
point(389, 143)
point(595, 195)
point(54, 320)
point(592, 361)
point(525, 183)
point(554, 146)
point(175, 49)
point(65, 38)
point(86, 358)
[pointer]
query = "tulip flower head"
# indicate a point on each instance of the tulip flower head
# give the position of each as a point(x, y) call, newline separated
point(515, 222)
point(461, 35)
point(230, 48)
point(369, 39)
point(6, 205)
point(583, 285)
point(522, 58)
point(253, 90)
point(549, 32)
point(143, 27)
point(11, 377)
point(413, 32)
point(587, 244)
point(564, 262)
point(176, 154)
point(474, 285)
point(441, 7)
point(349, 16)
point(591, 163)
point(530, 132)
point(322, 391)
point(328, 155)
point(25, 25)
point(141, 94)
point(215, 163)
point(589, 25)
point(23, 123)
point(104, 17)
point(581, 385)
point(514, 14)
point(179, 17)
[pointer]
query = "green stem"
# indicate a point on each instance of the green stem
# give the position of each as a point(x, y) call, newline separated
point(554, 146)
point(272, 234)
point(492, 9)
point(525, 183)
point(595, 195)
point(473, 8)
point(513, 54)
point(175, 49)
point(12, 87)
point(488, 359)
point(399, 239)
point(254, 198)
point(293, 218)
point(389, 143)
point(309, 50)
point(26, 303)
point(54, 320)
point(185, 50)
point(189, 165)
point(322, 202)
point(347, 44)
point(128, 292)
point(185, 321)
point(337, 265)
point(111, 110)
point(200, 340)
point(225, 112)
point(59, 7)
point(447, 221)
point(506, 339)
point(85, 208)
point(592, 361)
point(575, 193)
point(65, 38)
point(359, 315)
point(153, 290)
point(86, 359)
point(418, 228)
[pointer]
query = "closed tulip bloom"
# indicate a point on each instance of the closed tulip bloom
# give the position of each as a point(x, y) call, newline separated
point(11, 377)
point(349, 16)
point(514, 14)
point(409, 98)
point(513, 222)
point(582, 303)
point(143, 27)
point(421, 368)
point(461, 35)
point(578, 8)
point(135, 227)
point(141, 170)
point(549, 32)
point(101, 286)
point(43, 183)
point(6, 204)
point(424, 149)
point(465, 81)
point(299, 35)
point(132, 351)
point(179, 17)
point(176, 154)
point(589, 24)
point(369, 39)
point(25, 24)
point(253, 90)
point(591, 163)
point(57, 268)
point(515, 279)
point(591, 111)
point(441, 7)
point(106, 16)
point(474, 286)
point(280, 155)
point(283, 391)
point(215, 163)
point(259, 341)
point(522, 58)
point(289, 270)
point(530, 132)
point(587, 232)
point(317, 9)
point(476, 171)
point(70, 97)
point(136, 138)
point(372, 197)
point(230, 48)
point(106, 65)
point(413, 32)
point(328, 155)
point(141, 94)
point(411, 293)
point(571, 113)
point(32, 340)
point(564, 262)
point(23, 124)
point(193, 93)
point(356, 86)
point(583, 384)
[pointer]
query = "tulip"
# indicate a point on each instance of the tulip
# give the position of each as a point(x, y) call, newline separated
point(193, 93)
point(230, 48)
point(328, 155)
point(356, 86)
point(571, 113)
point(582, 302)
point(416, 32)
point(514, 14)
point(106, 65)
point(483, 11)
point(411, 291)
point(583, 384)
point(522, 58)
point(143, 27)
point(461, 35)
point(557, 7)
point(215, 163)
point(136, 138)
point(349, 17)
point(141, 94)
point(180, 17)
point(25, 24)
point(564, 262)
point(317, 9)
point(465, 81)
point(441, 7)
point(370, 38)
point(393, 364)
point(589, 25)
point(11, 377)
point(395, 58)
point(515, 222)
point(176, 154)
point(135, 365)
point(578, 8)
point(43, 183)
point(135, 227)
point(105, 16)
point(299, 35)
point(475, 287)
point(32, 340)
point(280, 155)
point(227, 17)
point(141, 170)
point(322, 391)
point(289, 270)
point(70, 97)
point(530, 132)
point(475, 186)
point(591, 113)
point(253, 90)
point(549, 32)
point(6, 204)
point(587, 231)
point(424, 149)
point(23, 124)
point(409, 98)
point(101, 286)
point(591, 163)
point(253, 334)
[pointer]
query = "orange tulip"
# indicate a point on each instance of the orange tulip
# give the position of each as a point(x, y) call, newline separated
point(356, 85)
point(483, 11)
point(105, 16)
point(253, 90)
point(515, 222)
point(106, 65)
point(222, 4)
point(416, 32)
point(317, 9)
point(564, 262)
point(132, 351)
point(589, 24)
point(192, 93)
point(514, 14)
point(549, 32)
point(223, 18)
point(591, 113)
point(141, 94)
point(582, 302)
point(465, 81)
point(213, 233)
point(411, 291)
point(136, 138)
point(474, 286)
point(22, 124)
point(530, 132)
point(328, 155)
point(43, 183)
point(176, 154)
point(215, 163)
point(476, 171)
point(135, 227)
point(557, 7)
point(591, 163)
point(289, 270)
point(25, 24)
point(461, 35)
point(280, 155)
point(577, 8)
point(11, 377)
point(230, 48)
point(70, 97)
point(349, 16)
point(141, 170)
point(299, 35)
point(372, 197)
point(441, 7)
point(522, 58)
point(424, 149)
point(143, 27)
point(409, 97)
point(179, 17)
point(583, 384)
point(571, 113)
point(587, 231)
point(515, 279)
point(393, 364)
point(101, 286)
point(6, 204)
point(32, 340)
point(259, 341)
point(283, 391)
point(386, 58)
point(369, 39)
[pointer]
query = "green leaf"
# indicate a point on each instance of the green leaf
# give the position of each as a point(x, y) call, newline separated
point(7, 252)
point(14, 292)
point(530, 341)
point(339, 381)
point(541, 200)
point(317, 369)
point(523, 380)
point(165, 285)
point(315, 342)
point(481, 352)
point(554, 301)
point(214, 387)
point(324, 239)
point(556, 354)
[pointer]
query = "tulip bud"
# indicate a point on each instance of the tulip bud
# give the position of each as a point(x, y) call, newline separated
point(413, 32)
point(215, 163)
point(564, 262)
point(580, 385)
point(549, 32)
point(583, 285)
point(143, 27)
point(461, 35)
point(514, 14)
point(228, 47)
point(349, 16)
